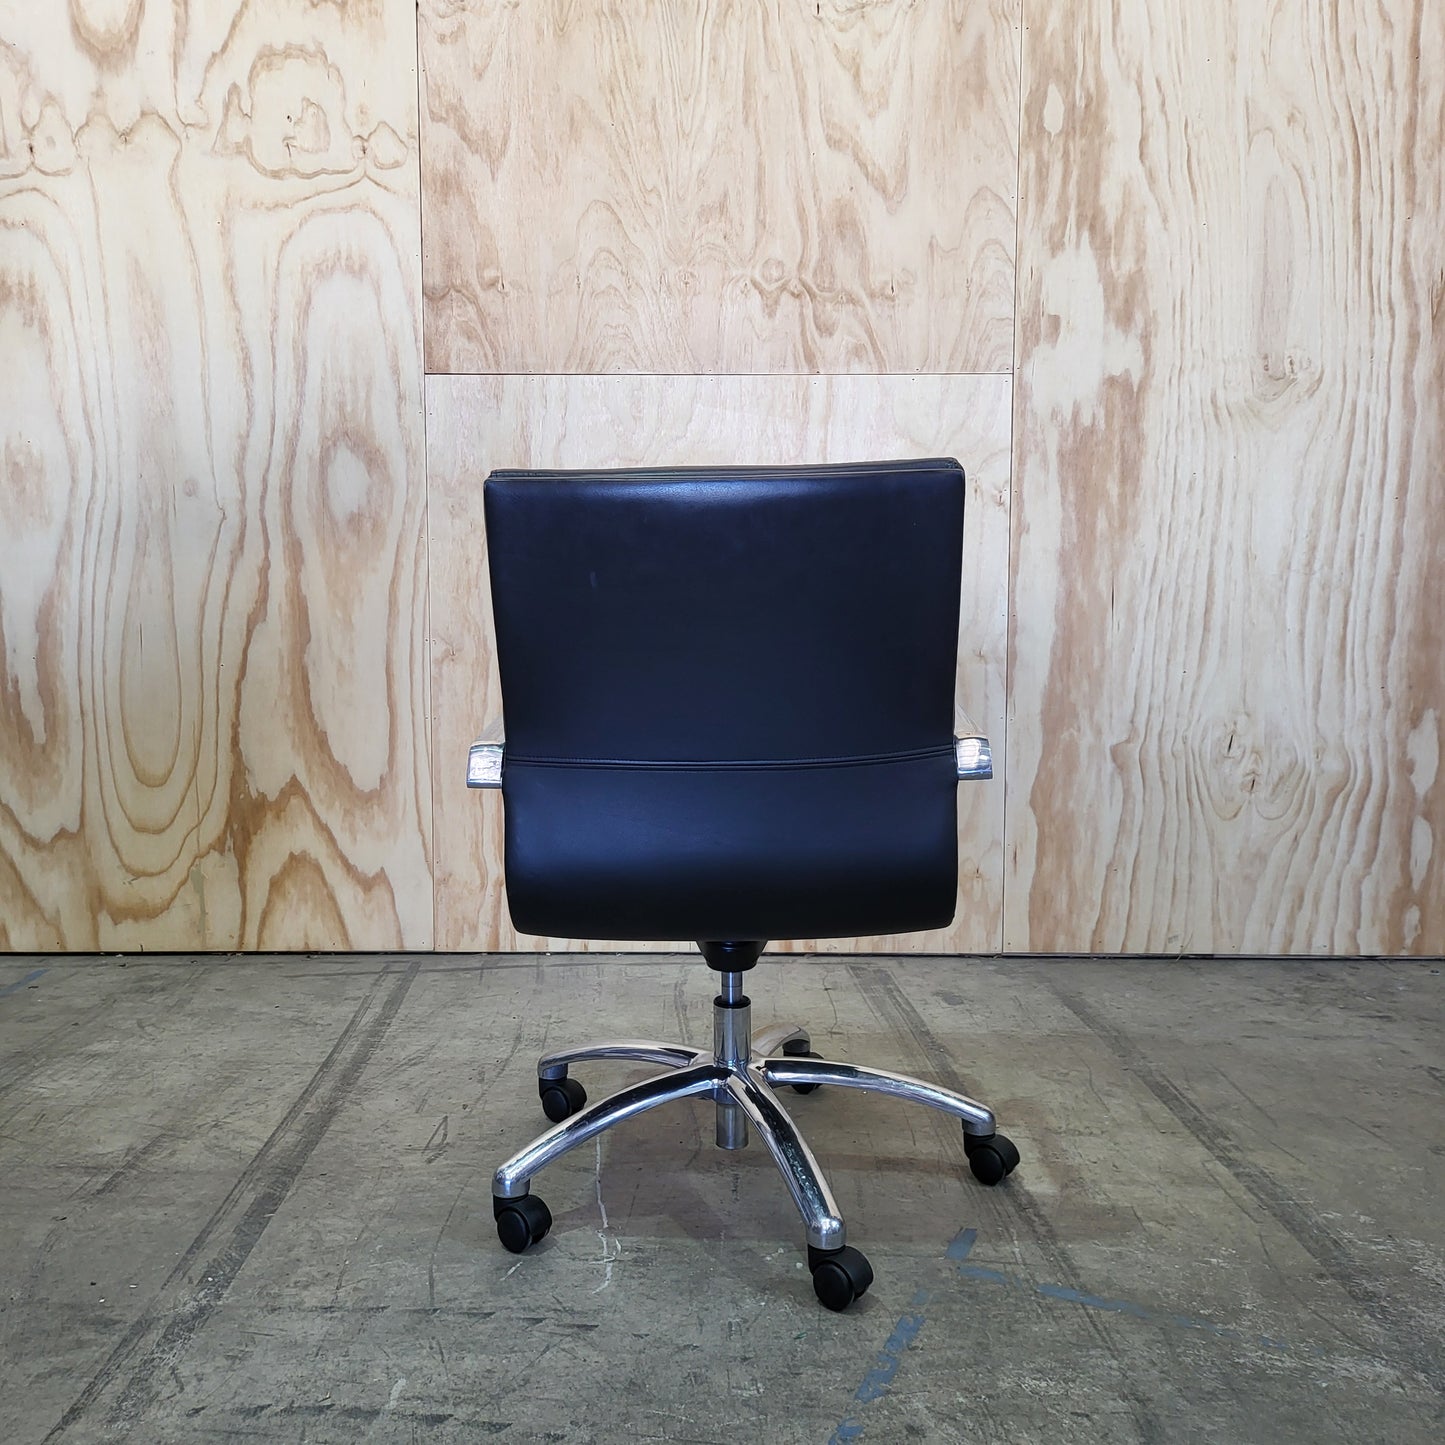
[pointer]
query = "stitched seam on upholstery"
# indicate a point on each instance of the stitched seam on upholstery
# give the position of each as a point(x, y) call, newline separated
point(746, 765)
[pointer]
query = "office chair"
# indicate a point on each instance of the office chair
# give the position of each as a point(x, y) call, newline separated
point(728, 695)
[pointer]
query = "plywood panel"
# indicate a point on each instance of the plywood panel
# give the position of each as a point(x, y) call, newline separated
point(475, 424)
point(798, 186)
point(1226, 662)
point(212, 570)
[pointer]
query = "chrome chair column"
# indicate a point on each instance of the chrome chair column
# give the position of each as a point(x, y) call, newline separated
point(732, 1050)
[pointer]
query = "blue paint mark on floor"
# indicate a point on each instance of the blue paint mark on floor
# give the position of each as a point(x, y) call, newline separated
point(23, 982)
point(876, 1382)
point(961, 1245)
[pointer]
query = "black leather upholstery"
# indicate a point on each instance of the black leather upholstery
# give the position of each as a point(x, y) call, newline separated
point(728, 697)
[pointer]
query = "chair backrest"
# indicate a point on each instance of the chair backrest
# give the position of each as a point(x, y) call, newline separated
point(728, 697)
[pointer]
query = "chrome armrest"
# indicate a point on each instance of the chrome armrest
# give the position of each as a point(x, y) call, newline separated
point(973, 756)
point(484, 764)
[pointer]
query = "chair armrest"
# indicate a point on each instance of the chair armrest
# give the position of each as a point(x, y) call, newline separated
point(974, 757)
point(484, 764)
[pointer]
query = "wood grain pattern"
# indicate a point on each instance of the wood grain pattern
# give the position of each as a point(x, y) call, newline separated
point(212, 618)
point(475, 424)
point(1226, 681)
point(796, 186)
point(1226, 662)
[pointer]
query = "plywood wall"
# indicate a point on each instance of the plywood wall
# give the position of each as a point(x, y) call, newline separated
point(1227, 671)
point(800, 185)
point(1169, 280)
point(212, 484)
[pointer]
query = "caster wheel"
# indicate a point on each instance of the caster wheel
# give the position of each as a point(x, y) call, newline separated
point(840, 1276)
point(561, 1098)
point(798, 1049)
point(522, 1222)
point(992, 1159)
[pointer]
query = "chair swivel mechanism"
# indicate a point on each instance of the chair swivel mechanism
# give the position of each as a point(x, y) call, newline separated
point(729, 705)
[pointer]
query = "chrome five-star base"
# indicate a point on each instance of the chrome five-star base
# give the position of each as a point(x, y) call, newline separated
point(739, 1074)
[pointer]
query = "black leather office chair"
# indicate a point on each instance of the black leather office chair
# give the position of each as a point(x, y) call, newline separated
point(728, 696)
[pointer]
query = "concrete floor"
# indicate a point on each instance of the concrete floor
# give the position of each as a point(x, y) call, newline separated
point(248, 1199)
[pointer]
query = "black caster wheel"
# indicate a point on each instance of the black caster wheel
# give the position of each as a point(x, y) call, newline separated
point(992, 1158)
point(839, 1275)
point(522, 1222)
point(561, 1098)
point(798, 1049)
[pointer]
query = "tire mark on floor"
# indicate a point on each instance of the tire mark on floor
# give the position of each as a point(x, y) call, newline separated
point(165, 1330)
point(135, 1160)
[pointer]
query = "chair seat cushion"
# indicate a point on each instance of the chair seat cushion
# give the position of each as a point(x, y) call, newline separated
point(812, 849)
